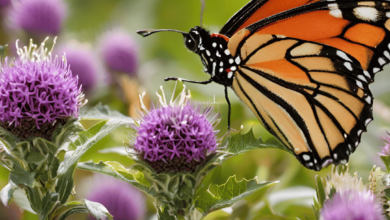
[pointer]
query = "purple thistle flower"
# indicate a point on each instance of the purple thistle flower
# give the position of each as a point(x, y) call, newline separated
point(4, 3)
point(82, 64)
point(39, 16)
point(37, 91)
point(119, 52)
point(177, 136)
point(386, 148)
point(352, 205)
point(122, 200)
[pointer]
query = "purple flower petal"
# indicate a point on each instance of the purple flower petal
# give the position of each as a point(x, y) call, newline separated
point(352, 205)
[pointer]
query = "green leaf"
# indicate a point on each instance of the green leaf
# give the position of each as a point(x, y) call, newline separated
point(34, 196)
point(97, 210)
point(84, 141)
point(162, 214)
point(64, 184)
point(103, 112)
point(49, 202)
point(320, 190)
point(386, 161)
point(63, 133)
point(116, 170)
point(20, 176)
point(227, 194)
point(44, 146)
point(7, 193)
point(241, 143)
point(74, 210)
point(8, 139)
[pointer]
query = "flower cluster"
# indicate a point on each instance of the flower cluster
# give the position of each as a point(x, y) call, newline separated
point(36, 93)
point(176, 136)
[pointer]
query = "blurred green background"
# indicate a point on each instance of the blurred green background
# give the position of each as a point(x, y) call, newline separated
point(163, 55)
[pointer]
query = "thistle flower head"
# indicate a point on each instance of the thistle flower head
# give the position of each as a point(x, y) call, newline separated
point(119, 52)
point(343, 180)
point(36, 92)
point(352, 205)
point(39, 16)
point(178, 135)
point(386, 149)
point(122, 200)
point(82, 64)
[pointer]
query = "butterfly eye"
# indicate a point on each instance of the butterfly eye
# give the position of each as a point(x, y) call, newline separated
point(190, 43)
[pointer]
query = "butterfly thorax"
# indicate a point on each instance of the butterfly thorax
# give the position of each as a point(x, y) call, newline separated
point(214, 53)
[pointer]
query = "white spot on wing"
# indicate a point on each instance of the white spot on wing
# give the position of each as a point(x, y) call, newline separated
point(359, 132)
point(230, 74)
point(335, 156)
point(214, 44)
point(368, 99)
point(368, 121)
point(208, 53)
point(361, 77)
point(360, 84)
point(366, 73)
point(348, 66)
point(336, 13)
point(366, 13)
point(233, 68)
point(376, 69)
point(231, 61)
point(381, 61)
point(218, 55)
point(227, 52)
point(343, 161)
point(387, 54)
point(306, 157)
point(343, 55)
point(238, 60)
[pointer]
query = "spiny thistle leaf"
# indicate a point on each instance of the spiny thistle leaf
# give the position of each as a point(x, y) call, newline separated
point(227, 194)
point(116, 170)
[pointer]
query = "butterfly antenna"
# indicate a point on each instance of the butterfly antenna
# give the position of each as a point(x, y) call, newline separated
point(202, 10)
point(147, 32)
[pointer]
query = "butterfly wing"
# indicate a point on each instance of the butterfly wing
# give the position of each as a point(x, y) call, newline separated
point(308, 95)
point(257, 10)
point(305, 75)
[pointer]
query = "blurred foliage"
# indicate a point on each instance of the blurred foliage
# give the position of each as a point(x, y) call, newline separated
point(163, 55)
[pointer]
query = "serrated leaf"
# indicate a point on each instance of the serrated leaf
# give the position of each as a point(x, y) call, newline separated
point(7, 193)
point(64, 184)
point(116, 170)
point(84, 141)
point(227, 194)
point(97, 210)
point(240, 143)
point(103, 112)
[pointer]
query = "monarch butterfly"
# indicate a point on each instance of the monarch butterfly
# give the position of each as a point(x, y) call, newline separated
point(303, 67)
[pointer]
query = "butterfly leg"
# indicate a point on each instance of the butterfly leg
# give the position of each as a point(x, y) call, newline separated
point(228, 102)
point(190, 81)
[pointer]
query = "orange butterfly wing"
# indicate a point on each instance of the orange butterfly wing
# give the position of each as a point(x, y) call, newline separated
point(257, 10)
point(305, 74)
